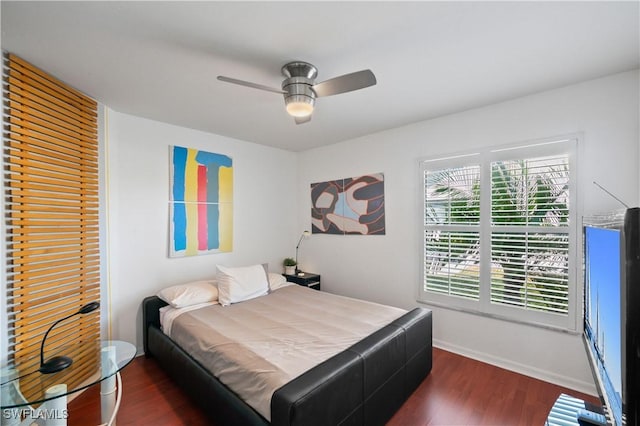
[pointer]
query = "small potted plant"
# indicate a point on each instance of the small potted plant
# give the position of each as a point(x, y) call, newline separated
point(289, 266)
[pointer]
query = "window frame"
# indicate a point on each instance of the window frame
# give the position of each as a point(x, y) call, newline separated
point(485, 157)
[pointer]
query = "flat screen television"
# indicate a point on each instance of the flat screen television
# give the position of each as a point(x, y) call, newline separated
point(612, 313)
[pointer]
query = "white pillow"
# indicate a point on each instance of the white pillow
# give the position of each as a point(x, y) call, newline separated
point(276, 281)
point(240, 284)
point(179, 296)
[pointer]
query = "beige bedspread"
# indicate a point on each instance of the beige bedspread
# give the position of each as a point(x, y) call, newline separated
point(256, 346)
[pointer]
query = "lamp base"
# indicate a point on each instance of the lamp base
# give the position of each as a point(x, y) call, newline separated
point(55, 364)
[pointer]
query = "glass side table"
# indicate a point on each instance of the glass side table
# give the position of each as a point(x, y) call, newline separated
point(49, 391)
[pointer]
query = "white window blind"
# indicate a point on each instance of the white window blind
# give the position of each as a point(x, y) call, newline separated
point(452, 263)
point(530, 263)
point(452, 235)
point(499, 232)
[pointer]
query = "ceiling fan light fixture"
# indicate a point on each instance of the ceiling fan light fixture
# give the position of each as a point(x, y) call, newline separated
point(300, 89)
point(299, 105)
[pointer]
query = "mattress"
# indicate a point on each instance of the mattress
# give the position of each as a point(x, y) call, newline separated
point(257, 346)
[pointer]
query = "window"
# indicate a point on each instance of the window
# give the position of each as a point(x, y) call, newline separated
point(500, 232)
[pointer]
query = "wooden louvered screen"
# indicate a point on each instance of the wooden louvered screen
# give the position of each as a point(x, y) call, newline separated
point(51, 196)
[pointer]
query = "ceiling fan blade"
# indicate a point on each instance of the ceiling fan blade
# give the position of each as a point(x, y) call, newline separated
point(345, 83)
point(302, 120)
point(249, 84)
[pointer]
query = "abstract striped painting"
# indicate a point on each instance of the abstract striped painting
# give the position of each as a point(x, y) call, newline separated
point(201, 205)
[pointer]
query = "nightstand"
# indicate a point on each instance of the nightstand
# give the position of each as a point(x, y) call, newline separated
point(309, 279)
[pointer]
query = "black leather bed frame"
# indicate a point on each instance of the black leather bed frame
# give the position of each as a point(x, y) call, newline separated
point(363, 385)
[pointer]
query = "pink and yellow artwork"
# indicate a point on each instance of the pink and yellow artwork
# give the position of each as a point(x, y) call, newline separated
point(201, 205)
point(349, 206)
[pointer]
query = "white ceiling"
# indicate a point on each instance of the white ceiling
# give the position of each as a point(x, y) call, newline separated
point(160, 59)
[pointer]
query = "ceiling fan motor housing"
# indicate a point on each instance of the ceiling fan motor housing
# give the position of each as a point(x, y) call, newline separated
point(299, 97)
point(300, 69)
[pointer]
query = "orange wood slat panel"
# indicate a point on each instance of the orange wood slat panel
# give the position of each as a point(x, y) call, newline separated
point(39, 309)
point(56, 235)
point(89, 181)
point(32, 282)
point(62, 89)
point(36, 225)
point(15, 180)
point(59, 335)
point(22, 92)
point(32, 104)
point(48, 202)
point(66, 210)
point(47, 196)
point(66, 281)
point(55, 243)
point(34, 335)
point(36, 153)
point(49, 118)
point(70, 228)
point(44, 256)
point(50, 254)
point(33, 306)
point(32, 138)
point(53, 247)
point(48, 296)
point(43, 169)
point(39, 277)
point(39, 124)
point(21, 146)
point(40, 254)
point(46, 315)
point(46, 267)
point(35, 189)
point(39, 127)
point(20, 215)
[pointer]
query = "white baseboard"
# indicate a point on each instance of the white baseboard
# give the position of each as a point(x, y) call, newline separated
point(547, 376)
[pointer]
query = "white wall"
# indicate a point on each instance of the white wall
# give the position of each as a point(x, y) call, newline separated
point(386, 268)
point(138, 214)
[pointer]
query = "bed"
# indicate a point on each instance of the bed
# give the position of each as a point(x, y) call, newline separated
point(364, 383)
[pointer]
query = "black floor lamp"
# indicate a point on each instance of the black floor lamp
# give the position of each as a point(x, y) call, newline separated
point(59, 363)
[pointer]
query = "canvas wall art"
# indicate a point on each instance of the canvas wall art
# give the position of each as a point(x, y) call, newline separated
point(349, 206)
point(201, 202)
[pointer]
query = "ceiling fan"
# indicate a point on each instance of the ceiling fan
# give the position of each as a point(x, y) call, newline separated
point(300, 89)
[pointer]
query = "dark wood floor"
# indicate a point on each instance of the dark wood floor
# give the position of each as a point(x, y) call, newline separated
point(459, 391)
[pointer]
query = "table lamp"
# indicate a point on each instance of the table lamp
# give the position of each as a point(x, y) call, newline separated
point(302, 237)
point(59, 363)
